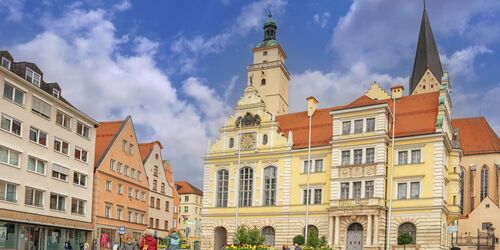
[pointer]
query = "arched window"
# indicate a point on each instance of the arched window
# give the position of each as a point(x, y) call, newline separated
point(410, 229)
point(231, 142)
point(264, 139)
point(311, 229)
point(220, 238)
point(246, 187)
point(270, 186)
point(222, 187)
point(268, 234)
point(484, 182)
point(263, 81)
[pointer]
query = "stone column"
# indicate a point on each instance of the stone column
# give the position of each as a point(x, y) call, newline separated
point(337, 230)
point(369, 231)
point(375, 228)
point(330, 230)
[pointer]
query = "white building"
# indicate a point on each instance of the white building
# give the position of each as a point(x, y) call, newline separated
point(46, 162)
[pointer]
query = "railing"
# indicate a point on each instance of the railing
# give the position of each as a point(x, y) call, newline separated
point(265, 65)
point(482, 240)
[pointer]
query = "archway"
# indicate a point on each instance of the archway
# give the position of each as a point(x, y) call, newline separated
point(354, 238)
point(268, 234)
point(220, 238)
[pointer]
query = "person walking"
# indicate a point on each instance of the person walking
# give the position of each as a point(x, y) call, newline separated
point(129, 243)
point(297, 246)
point(148, 242)
point(67, 245)
point(174, 241)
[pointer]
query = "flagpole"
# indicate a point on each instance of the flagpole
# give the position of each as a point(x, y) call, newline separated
point(237, 185)
point(389, 213)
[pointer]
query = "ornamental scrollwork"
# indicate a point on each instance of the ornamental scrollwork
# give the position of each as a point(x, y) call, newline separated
point(248, 120)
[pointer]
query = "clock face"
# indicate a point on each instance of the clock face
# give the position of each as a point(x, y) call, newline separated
point(247, 141)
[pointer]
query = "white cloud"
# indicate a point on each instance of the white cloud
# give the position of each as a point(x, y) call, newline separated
point(84, 56)
point(230, 87)
point(322, 19)
point(461, 63)
point(188, 50)
point(122, 6)
point(13, 9)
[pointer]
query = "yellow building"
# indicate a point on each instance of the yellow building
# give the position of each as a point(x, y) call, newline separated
point(190, 198)
point(261, 172)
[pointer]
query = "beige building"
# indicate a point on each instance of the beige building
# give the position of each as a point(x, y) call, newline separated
point(480, 180)
point(190, 212)
point(46, 160)
point(160, 192)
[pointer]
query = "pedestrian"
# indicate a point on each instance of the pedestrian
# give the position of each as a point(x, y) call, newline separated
point(173, 241)
point(129, 243)
point(297, 246)
point(86, 246)
point(148, 242)
point(67, 245)
point(285, 247)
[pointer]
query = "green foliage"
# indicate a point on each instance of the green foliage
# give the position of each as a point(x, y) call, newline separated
point(299, 239)
point(404, 239)
point(247, 236)
point(317, 248)
point(312, 238)
point(322, 241)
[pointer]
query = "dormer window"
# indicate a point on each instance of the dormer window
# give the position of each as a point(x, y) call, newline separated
point(55, 92)
point(6, 63)
point(33, 77)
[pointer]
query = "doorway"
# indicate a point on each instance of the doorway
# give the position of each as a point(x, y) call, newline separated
point(354, 238)
point(220, 238)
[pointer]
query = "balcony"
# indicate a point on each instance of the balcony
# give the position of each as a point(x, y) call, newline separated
point(260, 66)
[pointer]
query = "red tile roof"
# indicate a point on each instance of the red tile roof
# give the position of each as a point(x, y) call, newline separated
point(184, 187)
point(104, 136)
point(476, 136)
point(146, 149)
point(415, 115)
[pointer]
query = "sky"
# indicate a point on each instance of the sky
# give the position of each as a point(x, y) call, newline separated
point(179, 67)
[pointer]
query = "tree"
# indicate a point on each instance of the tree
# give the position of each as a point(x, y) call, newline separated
point(244, 235)
point(299, 239)
point(312, 238)
point(404, 239)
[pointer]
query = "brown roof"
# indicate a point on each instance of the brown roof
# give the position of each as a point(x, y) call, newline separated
point(184, 187)
point(105, 134)
point(415, 115)
point(146, 149)
point(476, 136)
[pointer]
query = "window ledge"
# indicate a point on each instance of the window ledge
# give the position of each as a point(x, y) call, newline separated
point(68, 129)
point(44, 117)
point(38, 144)
point(84, 162)
point(10, 133)
point(78, 185)
point(34, 172)
point(57, 179)
point(67, 155)
point(86, 138)
point(58, 211)
point(33, 206)
point(77, 214)
point(9, 202)
point(15, 103)
point(9, 165)
point(314, 172)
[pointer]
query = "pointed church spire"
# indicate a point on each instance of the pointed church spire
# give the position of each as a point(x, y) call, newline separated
point(426, 56)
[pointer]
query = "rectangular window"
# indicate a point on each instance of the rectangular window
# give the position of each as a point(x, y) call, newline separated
point(162, 187)
point(61, 146)
point(80, 179)
point(155, 185)
point(119, 167)
point(63, 119)
point(157, 223)
point(120, 188)
point(112, 165)
point(356, 190)
point(6, 63)
point(307, 167)
point(415, 190)
point(57, 202)
point(77, 206)
point(344, 190)
point(40, 107)
point(33, 77)
point(124, 145)
point(402, 191)
point(136, 194)
point(358, 156)
point(38, 136)
point(108, 185)
point(158, 203)
point(186, 209)
point(8, 191)
point(13, 94)
point(33, 197)
point(167, 206)
point(155, 171)
point(131, 148)
point(318, 165)
point(132, 172)
point(130, 192)
point(346, 157)
point(83, 130)
point(81, 154)
point(370, 155)
point(139, 176)
point(369, 189)
point(143, 196)
point(55, 92)
point(11, 125)
point(402, 157)
point(125, 170)
point(165, 225)
point(151, 222)
point(358, 126)
point(152, 202)
point(58, 175)
point(186, 198)
point(318, 195)
point(36, 165)
point(416, 156)
point(107, 211)
point(306, 196)
point(370, 124)
point(346, 128)
point(119, 211)
point(9, 156)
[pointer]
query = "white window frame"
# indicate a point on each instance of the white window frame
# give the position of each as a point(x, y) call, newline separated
point(419, 157)
point(109, 185)
point(38, 132)
point(312, 166)
point(79, 177)
point(112, 165)
point(408, 189)
point(344, 132)
point(11, 123)
point(82, 151)
point(120, 189)
point(6, 188)
point(65, 118)
point(38, 162)
point(38, 112)
point(409, 156)
point(61, 142)
point(8, 61)
point(80, 210)
point(108, 213)
point(312, 195)
point(9, 157)
point(36, 78)
point(35, 190)
point(58, 197)
point(374, 124)
point(55, 92)
point(59, 174)
point(15, 90)
point(366, 155)
point(124, 145)
point(359, 121)
point(83, 126)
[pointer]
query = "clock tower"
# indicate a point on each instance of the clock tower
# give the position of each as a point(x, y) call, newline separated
point(268, 73)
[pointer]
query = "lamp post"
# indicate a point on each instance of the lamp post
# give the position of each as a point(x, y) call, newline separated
point(311, 108)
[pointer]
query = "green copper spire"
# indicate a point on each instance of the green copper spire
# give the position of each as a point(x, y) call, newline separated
point(270, 28)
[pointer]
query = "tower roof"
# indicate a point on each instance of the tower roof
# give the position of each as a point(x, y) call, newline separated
point(270, 28)
point(427, 55)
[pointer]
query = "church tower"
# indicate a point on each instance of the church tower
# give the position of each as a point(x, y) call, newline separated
point(427, 70)
point(268, 73)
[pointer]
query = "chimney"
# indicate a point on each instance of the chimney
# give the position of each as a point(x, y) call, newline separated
point(397, 91)
point(312, 103)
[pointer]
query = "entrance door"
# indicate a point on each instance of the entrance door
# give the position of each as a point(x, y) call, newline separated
point(354, 237)
point(220, 238)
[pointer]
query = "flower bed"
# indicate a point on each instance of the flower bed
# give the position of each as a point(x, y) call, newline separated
point(247, 247)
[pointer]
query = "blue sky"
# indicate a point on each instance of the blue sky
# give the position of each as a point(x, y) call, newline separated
point(178, 67)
